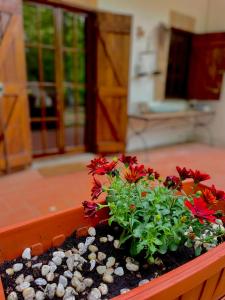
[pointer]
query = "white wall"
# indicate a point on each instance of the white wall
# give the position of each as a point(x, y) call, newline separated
point(215, 16)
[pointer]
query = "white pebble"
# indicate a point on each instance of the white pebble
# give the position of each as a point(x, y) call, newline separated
point(78, 275)
point(39, 295)
point(91, 231)
point(81, 287)
point(107, 278)
point(69, 292)
point(82, 248)
point(88, 282)
point(95, 294)
point(60, 254)
point(40, 281)
point(70, 263)
point(17, 267)
point(116, 244)
point(89, 241)
point(75, 282)
point(38, 266)
point(110, 237)
point(60, 290)
point(101, 269)
point(101, 256)
point(132, 267)
point(119, 271)
point(26, 253)
point(29, 278)
point(109, 271)
point(110, 262)
point(9, 271)
point(144, 281)
point(45, 270)
point(103, 239)
point(92, 256)
point(93, 248)
point(19, 279)
point(123, 291)
point(92, 264)
point(12, 296)
point(103, 288)
point(68, 274)
point(50, 276)
point(28, 293)
point(68, 253)
point(57, 260)
point(50, 290)
point(24, 285)
point(63, 280)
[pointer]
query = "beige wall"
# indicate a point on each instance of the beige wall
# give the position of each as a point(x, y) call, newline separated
point(84, 3)
point(215, 16)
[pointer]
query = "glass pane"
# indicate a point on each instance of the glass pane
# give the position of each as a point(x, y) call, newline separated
point(47, 25)
point(36, 138)
point(30, 23)
point(80, 31)
point(48, 65)
point(32, 64)
point(49, 95)
point(80, 110)
point(51, 133)
point(80, 68)
point(69, 107)
point(69, 68)
point(68, 29)
point(34, 102)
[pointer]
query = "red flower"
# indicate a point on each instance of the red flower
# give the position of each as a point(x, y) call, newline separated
point(96, 189)
point(151, 171)
point(156, 174)
point(96, 163)
point(200, 210)
point(183, 173)
point(106, 169)
point(135, 173)
point(90, 209)
point(143, 194)
point(132, 207)
point(128, 160)
point(197, 176)
point(173, 182)
point(209, 197)
point(220, 195)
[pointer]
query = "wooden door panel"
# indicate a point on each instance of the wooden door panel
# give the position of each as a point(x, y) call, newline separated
point(15, 149)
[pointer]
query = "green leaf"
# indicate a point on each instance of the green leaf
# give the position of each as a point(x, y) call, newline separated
point(173, 247)
point(198, 251)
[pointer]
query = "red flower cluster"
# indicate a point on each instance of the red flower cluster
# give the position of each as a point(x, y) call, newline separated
point(151, 172)
point(173, 182)
point(96, 189)
point(135, 173)
point(220, 195)
point(90, 209)
point(96, 163)
point(106, 169)
point(196, 175)
point(128, 160)
point(200, 210)
point(209, 197)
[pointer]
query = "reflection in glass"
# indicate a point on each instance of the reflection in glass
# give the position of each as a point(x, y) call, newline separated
point(48, 65)
point(68, 29)
point(80, 31)
point(32, 64)
point(30, 23)
point(80, 62)
point(34, 101)
point(46, 26)
point(69, 68)
point(50, 101)
point(51, 135)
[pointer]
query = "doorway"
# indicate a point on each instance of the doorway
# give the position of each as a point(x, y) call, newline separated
point(55, 42)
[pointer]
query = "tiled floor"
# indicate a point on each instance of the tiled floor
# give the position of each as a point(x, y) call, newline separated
point(28, 194)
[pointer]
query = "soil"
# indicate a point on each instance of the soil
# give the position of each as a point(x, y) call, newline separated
point(130, 280)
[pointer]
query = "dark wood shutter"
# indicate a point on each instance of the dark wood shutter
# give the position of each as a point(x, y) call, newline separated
point(112, 46)
point(15, 150)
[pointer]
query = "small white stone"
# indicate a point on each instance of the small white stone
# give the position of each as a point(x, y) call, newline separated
point(92, 264)
point(144, 281)
point(45, 270)
point(40, 281)
point(59, 253)
point(92, 256)
point(60, 290)
point(78, 275)
point(101, 256)
point(68, 253)
point(63, 280)
point(109, 271)
point(24, 285)
point(12, 296)
point(39, 295)
point(75, 282)
point(101, 269)
point(9, 271)
point(88, 282)
point(17, 267)
point(103, 288)
point(116, 244)
point(107, 278)
point(93, 248)
point(69, 292)
point(29, 278)
point(91, 231)
point(110, 262)
point(29, 293)
point(103, 239)
point(123, 291)
point(38, 266)
point(26, 253)
point(119, 271)
point(50, 290)
point(81, 287)
point(70, 263)
point(110, 237)
point(132, 267)
point(53, 267)
point(57, 260)
point(19, 279)
point(95, 294)
point(69, 298)
point(50, 276)
point(82, 248)
point(68, 274)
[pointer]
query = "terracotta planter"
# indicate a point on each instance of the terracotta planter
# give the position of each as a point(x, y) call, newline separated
point(202, 278)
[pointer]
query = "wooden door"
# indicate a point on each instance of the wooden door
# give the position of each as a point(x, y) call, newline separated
point(15, 149)
point(112, 67)
point(207, 66)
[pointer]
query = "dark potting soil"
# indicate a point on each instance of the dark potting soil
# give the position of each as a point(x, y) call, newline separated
point(129, 280)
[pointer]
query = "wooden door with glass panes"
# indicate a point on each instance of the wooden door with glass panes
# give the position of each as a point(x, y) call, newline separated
point(55, 56)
